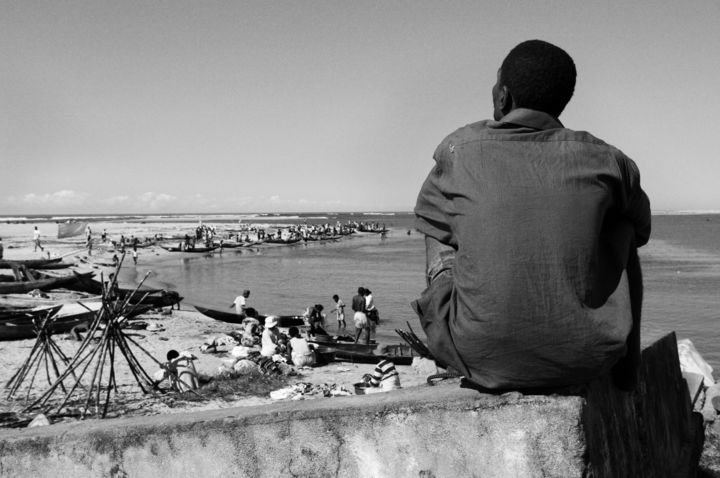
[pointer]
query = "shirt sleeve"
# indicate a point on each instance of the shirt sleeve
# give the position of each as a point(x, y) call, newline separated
point(434, 206)
point(637, 203)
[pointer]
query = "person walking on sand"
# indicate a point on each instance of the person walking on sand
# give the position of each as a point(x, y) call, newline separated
point(240, 303)
point(36, 240)
point(359, 317)
point(134, 254)
point(339, 312)
point(531, 236)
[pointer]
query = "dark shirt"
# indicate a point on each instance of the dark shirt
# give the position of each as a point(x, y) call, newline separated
point(358, 303)
point(528, 226)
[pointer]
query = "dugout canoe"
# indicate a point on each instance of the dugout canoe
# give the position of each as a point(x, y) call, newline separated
point(24, 328)
point(31, 263)
point(153, 297)
point(342, 344)
point(397, 354)
point(233, 318)
point(193, 249)
point(25, 313)
point(23, 287)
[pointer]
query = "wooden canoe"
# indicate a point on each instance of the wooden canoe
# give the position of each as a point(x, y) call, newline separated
point(42, 284)
point(233, 318)
point(342, 344)
point(28, 313)
point(398, 357)
point(195, 249)
point(29, 263)
point(19, 329)
point(154, 297)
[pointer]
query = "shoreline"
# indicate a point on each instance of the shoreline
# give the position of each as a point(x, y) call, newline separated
point(183, 330)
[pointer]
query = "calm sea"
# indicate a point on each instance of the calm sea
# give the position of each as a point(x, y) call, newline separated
point(681, 269)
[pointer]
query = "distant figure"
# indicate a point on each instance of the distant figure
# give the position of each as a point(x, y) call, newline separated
point(36, 240)
point(134, 255)
point(339, 312)
point(115, 260)
point(240, 303)
point(359, 318)
point(1, 248)
point(300, 352)
point(103, 237)
point(89, 245)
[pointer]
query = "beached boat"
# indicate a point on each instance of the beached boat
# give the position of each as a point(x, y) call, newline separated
point(32, 263)
point(21, 287)
point(195, 249)
point(233, 318)
point(24, 328)
point(21, 313)
point(154, 297)
point(398, 354)
point(342, 343)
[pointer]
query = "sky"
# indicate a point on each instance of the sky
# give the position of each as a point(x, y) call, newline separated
point(307, 106)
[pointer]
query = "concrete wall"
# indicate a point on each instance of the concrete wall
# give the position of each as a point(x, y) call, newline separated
point(441, 431)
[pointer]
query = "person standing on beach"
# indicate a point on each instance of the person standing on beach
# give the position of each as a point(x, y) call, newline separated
point(531, 233)
point(2, 249)
point(36, 240)
point(339, 312)
point(240, 303)
point(134, 254)
point(371, 311)
point(360, 319)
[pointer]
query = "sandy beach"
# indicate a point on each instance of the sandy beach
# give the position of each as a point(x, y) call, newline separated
point(182, 330)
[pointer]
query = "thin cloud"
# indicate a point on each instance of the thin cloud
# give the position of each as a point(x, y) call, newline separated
point(65, 197)
point(156, 200)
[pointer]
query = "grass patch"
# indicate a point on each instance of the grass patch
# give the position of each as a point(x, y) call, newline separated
point(232, 385)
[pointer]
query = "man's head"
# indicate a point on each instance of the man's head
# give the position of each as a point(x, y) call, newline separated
point(535, 75)
point(246, 293)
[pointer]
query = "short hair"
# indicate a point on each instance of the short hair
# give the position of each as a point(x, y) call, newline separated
point(361, 290)
point(294, 332)
point(172, 354)
point(540, 76)
point(335, 297)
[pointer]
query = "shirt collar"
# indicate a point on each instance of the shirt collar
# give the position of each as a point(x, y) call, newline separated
point(531, 118)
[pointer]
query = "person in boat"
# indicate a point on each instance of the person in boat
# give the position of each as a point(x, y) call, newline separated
point(531, 233)
point(240, 303)
point(273, 341)
point(360, 318)
point(339, 312)
point(316, 318)
point(301, 352)
point(179, 370)
point(383, 378)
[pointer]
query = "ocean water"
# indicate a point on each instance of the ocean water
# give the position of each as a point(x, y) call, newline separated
point(681, 267)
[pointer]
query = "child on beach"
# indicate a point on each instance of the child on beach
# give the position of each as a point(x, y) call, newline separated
point(180, 370)
point(339, 312)
point(300, 351)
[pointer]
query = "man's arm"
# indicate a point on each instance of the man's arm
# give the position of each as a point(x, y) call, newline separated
point(439, 258)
